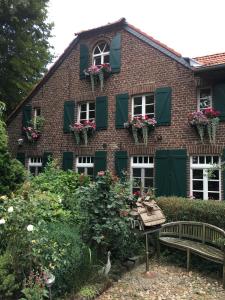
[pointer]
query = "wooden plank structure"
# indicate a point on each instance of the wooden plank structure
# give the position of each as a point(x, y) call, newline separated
point(202, 239)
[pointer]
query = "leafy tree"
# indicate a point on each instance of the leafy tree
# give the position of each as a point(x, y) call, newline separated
point(24, 47)
point(12, 173)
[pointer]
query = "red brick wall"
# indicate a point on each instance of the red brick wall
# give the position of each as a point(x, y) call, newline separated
point(143, 69)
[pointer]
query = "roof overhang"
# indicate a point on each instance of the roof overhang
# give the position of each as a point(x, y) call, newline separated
point(213, 72)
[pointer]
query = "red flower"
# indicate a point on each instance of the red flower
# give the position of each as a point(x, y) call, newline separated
point(101, 173)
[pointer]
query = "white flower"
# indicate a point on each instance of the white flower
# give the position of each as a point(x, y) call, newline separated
point(2, 221)
point(60, 200)
point(10, 209)
point(30, 227)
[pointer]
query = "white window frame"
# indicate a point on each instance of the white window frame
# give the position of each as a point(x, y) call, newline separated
point(84, 164)
point(198, 96)
point(37, 113)
point(143, 105)
point(102, 54)
point(88, 111)
point(205, 168)
point(142, 166)
point(35, 162)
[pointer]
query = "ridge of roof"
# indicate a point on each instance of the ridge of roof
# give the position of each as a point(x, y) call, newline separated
point(212, 59)
point(121, 21)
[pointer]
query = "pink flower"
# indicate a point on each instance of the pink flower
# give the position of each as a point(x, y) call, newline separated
point(101, 173)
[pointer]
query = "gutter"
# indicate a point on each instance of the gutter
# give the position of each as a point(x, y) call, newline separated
point(203, 69)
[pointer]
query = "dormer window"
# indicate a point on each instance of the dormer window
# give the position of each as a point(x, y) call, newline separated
point(101, 54)
point(204, 98)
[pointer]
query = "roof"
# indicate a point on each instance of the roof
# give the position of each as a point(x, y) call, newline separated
point(121, 22)
point(210, 60)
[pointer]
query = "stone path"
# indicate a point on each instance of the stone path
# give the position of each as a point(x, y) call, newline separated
point(170, 283)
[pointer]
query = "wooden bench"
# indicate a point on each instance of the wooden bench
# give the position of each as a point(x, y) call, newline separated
point(202, 239)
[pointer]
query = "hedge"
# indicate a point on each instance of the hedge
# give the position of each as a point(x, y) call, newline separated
point(182, 209)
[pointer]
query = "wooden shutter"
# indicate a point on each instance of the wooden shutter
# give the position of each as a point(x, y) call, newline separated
point(69, 107)
point(171, 172)
point(219, 99)
point(115, 53)
point(121, 110)
point(83, 59)
point(100, 162)
point(163, 105)
point(67, 161)
point(101, 113)
point(21, 157)
point(121, 163)
point(223, 174)
point(47, 157)
point(27, 115)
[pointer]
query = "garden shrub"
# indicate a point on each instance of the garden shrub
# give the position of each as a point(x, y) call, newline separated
point(12, 173)
point(182, 209)
point(105, 205)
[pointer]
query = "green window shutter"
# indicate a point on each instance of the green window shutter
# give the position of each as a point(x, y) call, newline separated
point(67, 161)
point(115, 53)
point(121, 159)
point(121, 110)
point(100, 162)
point(101, 113)
point(21, 157)
point(69, 107)
point(219, 99)
point(223, 174)
point(171, 173)
point(83, 59)
point(47, 157)
point(163, 105)
point(27, 115)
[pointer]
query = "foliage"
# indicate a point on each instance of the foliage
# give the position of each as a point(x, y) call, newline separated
point(88, 292)
point(12, 173)
point(8, 282)
point(24, 47)
point(182, 209)
point(104, 204)
point(34, 287)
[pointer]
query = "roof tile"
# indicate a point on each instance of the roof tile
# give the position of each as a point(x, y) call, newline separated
point(209, 60)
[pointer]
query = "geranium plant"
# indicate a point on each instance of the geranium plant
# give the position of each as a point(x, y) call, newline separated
point(205, 120)
point(33, 131)
point(97, 74)
point(140, 126)
point(82, 131)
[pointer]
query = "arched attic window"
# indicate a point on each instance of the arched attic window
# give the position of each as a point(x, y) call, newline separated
point(101, 53)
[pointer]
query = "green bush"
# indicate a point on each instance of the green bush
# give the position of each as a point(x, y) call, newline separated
point(106, 225)
point(182, 209)
point(12, 173)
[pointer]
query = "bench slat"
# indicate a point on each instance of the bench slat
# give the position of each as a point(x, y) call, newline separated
point(195, 247)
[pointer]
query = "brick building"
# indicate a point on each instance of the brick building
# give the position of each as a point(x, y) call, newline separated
point(147, 78)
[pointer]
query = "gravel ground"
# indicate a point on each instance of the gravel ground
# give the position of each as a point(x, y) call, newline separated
point(168, 283)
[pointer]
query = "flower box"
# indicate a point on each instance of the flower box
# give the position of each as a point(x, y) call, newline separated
point(83, 131)
point(205, 121)
point(97, 75)
point(140, 127)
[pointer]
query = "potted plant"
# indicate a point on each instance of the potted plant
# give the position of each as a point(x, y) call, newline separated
point(82, 131)
point(33, 131)
point(140, 126)
point(205, 120)
point(97, 74)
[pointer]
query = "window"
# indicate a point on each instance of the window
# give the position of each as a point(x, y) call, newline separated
point(101, 53)
point(142, 168)
point(37, 113)
point(35, 165)
point(204, 98)
point(85, 165)
point(86, 112)
point(205, 183)
point(143, 105)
